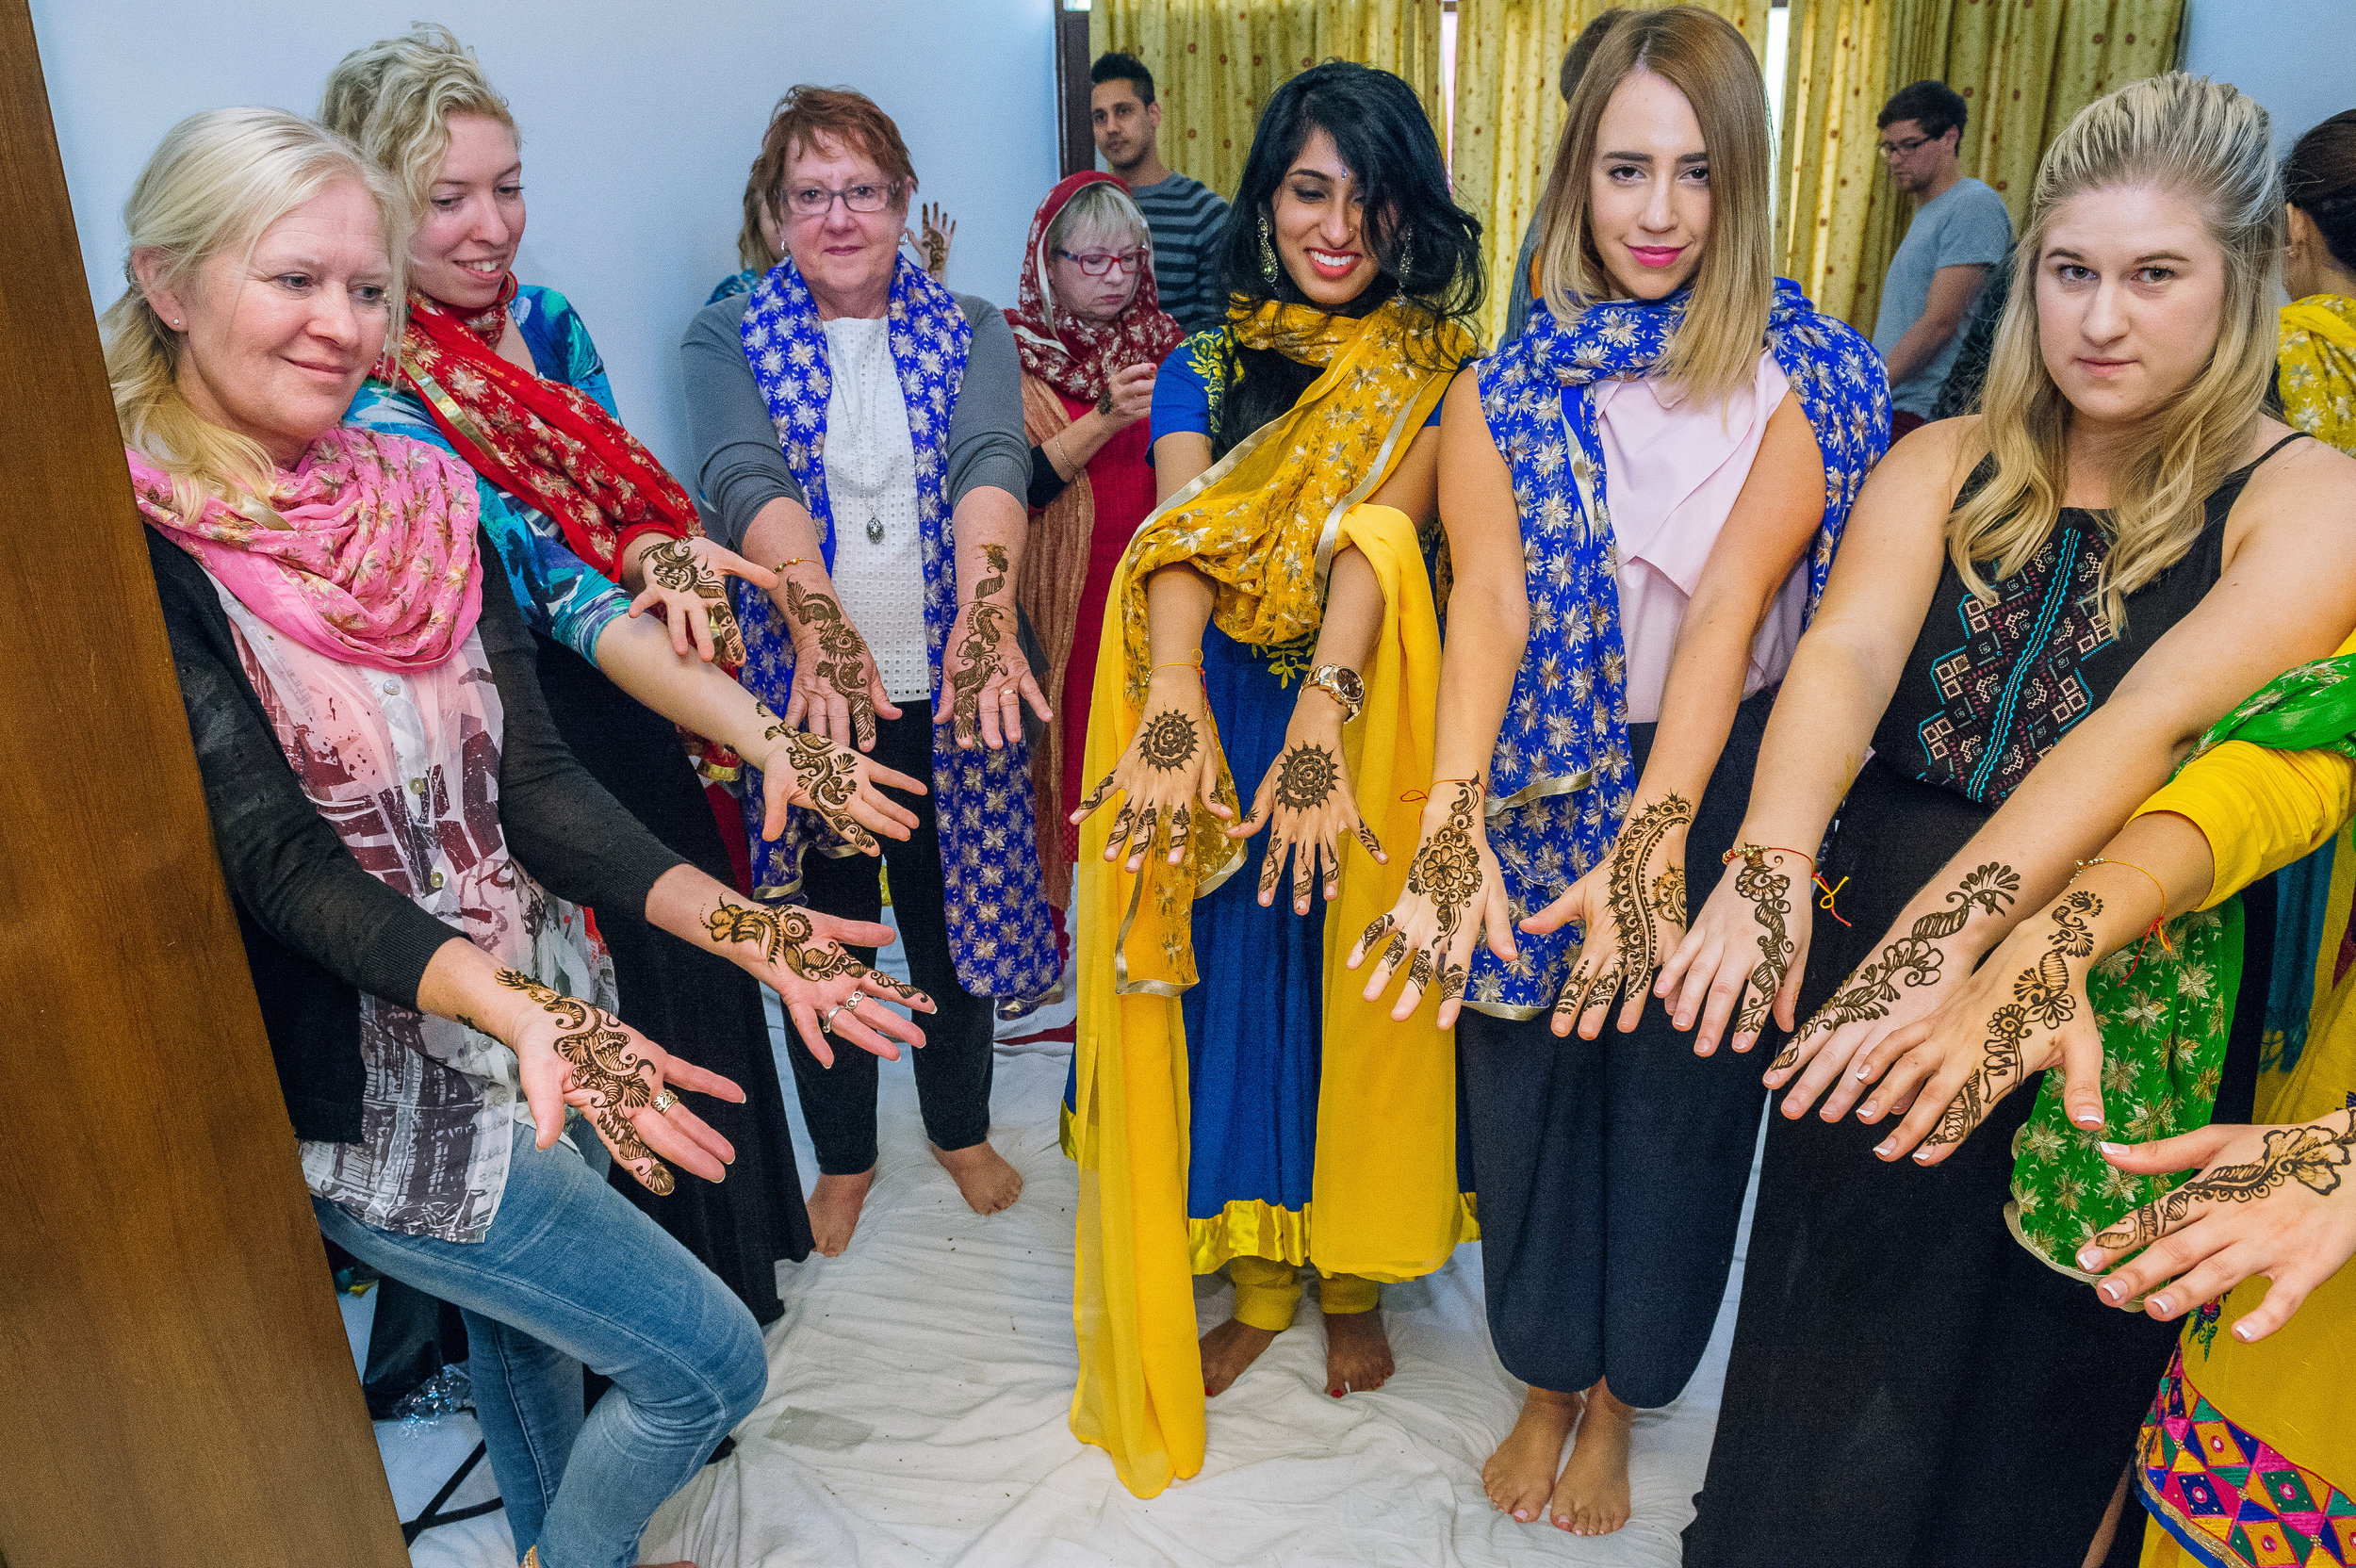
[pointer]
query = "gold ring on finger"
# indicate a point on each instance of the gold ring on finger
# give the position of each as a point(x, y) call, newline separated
point(663, 1102)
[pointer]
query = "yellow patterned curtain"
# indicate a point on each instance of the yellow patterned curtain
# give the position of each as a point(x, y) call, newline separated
point(2022, 69)
point(1216, 61)
point(1509, 113)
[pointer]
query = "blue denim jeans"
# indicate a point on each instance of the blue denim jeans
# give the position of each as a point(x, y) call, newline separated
point(570, 1275)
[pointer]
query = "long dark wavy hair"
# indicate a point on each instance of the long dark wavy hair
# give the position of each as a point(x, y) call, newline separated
point(1412, 224)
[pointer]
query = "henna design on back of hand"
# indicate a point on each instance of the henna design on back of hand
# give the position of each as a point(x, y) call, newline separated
point(980, 659)
point(841, 658)
point(1306, 776)
point(2313, 1155)
point(1636, 910)
point(2041, 997)
point(1766, 887)
point(1446, 870)
point(673, 565)
point(616, 1079)
point(1166, 742)
point(1910, 959)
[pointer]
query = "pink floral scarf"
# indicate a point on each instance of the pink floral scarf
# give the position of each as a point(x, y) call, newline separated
point(375, 562)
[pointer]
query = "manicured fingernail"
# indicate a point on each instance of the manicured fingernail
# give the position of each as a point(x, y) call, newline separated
point(1883, 1148)
point(2112, 1148)
point(1863, 1069)
point(2159, 1303)
point(1867, 1111)
point(2089, 1118)
point(1922, 1155)
point(1334, 1392)
point(2241, 1332)
point(1521, 1516)
point(2089, 1256)
point(2108, 1292)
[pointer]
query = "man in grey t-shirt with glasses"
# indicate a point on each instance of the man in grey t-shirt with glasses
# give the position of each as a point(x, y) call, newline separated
point(1960, 230)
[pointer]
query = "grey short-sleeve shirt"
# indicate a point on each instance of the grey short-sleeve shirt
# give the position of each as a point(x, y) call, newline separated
point(1964, 225)
point(737, 465)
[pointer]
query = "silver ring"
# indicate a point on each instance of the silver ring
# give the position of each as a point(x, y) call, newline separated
point(663, 1102)
point(825, 1024)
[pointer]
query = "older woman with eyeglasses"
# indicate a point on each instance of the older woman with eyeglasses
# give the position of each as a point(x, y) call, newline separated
point(1090, 329)
point(860, 428)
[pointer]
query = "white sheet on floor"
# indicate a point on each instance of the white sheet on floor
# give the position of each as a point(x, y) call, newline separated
point(918, 1387)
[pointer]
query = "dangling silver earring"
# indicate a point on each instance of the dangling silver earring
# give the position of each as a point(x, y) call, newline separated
point(1406, 256)
point(1267, 253)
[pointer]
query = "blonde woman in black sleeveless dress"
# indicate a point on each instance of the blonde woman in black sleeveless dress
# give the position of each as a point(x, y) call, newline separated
point(2034, 615)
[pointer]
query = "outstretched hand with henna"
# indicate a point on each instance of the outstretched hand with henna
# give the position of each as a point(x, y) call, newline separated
point(1168, 771)
point(2272, 1201)
point(1305, 801)
point(1632, 910)
point(686, 580)
point(837, 692)
point(985, 679)
point(2023, 1011)
point(1742, 958)
point(1454, 896)
point(799, 954)
point(802, 768)
point(569, 1052)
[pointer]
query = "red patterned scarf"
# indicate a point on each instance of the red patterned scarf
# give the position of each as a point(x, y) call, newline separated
point(1075, 357)
point(548, 444)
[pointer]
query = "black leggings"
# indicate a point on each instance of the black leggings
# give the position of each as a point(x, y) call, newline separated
point(1610, 1172)
point(953, 1067)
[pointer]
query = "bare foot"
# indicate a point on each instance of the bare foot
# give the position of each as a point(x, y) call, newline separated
point(1591, 1498)
point(1227, 1350)
point(1357, 1353)
point(983, 1175)
point(834, 1205)
point(1519, 1477)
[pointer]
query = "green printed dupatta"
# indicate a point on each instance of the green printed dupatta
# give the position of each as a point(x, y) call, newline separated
point(2165, 1012)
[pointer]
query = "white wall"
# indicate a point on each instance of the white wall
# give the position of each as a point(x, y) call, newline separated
point(2298, 58)
point(639, 121)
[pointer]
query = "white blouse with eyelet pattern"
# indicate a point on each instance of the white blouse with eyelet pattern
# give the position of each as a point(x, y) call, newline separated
point(870, 473)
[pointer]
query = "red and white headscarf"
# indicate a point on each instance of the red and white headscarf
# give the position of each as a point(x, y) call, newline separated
point(1079, 358)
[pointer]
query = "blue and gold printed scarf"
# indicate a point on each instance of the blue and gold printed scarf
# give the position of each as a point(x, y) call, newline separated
point(998, 926)
point(1562, 775)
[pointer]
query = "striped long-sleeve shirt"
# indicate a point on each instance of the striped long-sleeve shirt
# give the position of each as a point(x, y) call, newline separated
point(1185, 217)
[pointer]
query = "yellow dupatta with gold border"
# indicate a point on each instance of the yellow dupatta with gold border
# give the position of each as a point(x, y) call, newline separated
point(1263, 524)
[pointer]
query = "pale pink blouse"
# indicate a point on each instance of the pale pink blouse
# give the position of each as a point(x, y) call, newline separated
point(1674, 472)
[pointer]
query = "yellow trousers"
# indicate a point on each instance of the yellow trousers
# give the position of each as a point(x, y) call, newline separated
point(1267, 1292)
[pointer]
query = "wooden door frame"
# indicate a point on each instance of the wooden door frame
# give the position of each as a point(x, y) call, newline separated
point(176, 1383)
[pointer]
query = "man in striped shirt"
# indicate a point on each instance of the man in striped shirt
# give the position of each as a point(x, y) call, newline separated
point(1185, 215)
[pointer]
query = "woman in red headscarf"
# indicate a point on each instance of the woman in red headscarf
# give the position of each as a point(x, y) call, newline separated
point(1089, 326)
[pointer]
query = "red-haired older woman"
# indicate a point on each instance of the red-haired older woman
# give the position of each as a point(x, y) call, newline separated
point(860, 428)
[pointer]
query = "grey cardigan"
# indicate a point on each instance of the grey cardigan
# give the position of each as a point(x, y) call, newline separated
point(740, 467)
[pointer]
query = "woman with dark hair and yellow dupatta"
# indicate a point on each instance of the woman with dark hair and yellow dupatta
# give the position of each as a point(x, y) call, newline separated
point(1272, 630)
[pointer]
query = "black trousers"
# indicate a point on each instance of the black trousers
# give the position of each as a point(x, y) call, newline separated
point(954, 1064)
point(1610, 1172)
point(687, 998)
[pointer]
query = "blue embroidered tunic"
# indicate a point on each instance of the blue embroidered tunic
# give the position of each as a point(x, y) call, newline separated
point(1561, 776)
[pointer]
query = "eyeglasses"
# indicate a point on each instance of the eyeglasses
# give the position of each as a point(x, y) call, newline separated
point(816, 201)
point(1097, 263)
point(1906, 148)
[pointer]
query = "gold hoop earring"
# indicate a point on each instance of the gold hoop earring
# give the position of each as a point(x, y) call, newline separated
point(1267, 253)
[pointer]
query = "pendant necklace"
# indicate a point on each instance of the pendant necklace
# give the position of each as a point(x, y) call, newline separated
point(874, 530)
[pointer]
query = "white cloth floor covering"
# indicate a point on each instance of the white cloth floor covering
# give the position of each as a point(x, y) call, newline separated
point(920, 1384)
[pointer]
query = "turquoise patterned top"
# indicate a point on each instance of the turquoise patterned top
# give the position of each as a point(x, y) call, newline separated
point(561, 596)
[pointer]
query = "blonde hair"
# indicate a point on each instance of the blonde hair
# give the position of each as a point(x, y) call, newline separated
point(752, 247)
point(216, 181)
point(1703, 56)
point(2210, 144)
point(1097, 207)
point(394, 98)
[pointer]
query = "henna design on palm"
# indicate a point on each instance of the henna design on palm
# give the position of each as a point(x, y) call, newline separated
point(841, 658)
point(2040, 998)
point(674, 565)
point(2313, 1155)
point(980, 658)
point(1911, 959)
point(827, 777)
point(785, 934)
point(1766, 887)
point(614, 1079)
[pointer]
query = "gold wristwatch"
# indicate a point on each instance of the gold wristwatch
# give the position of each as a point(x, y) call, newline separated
point(1341, 683)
